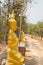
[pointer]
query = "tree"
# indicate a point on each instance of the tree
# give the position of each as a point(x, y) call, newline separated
point(40, 29)
point(36, 29)
point(19, 7)
point(3, 22)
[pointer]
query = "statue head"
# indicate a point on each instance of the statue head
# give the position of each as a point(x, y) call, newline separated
point(12, 22)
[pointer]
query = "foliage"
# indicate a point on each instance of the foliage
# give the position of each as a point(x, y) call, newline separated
point(6, 7)
point(36, 29)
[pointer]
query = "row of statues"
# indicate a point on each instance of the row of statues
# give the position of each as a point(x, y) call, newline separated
point(14, 57)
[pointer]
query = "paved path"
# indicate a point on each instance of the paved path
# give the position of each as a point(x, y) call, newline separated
point(34, 54)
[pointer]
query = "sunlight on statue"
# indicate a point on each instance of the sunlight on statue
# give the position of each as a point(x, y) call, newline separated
point(14, 57)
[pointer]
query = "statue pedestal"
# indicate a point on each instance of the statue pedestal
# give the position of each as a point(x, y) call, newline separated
point(22, 48)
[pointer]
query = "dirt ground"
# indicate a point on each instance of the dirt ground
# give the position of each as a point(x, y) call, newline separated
point(33, 54)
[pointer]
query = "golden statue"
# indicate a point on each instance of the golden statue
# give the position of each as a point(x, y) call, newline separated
point(21, 46)
point(22, 37)
point(13, 56)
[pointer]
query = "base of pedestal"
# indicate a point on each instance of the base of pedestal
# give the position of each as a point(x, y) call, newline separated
point(22, 48)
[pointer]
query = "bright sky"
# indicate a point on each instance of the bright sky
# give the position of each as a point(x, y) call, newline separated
point(36, 12)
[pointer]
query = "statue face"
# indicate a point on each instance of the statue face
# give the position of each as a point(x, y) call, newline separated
point(13, 26)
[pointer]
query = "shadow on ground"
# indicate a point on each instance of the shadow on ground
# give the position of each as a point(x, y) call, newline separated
point(33, 61)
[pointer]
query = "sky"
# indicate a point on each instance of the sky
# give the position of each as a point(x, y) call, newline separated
point(36, 12)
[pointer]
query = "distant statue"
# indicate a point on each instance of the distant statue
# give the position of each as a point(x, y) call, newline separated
point(22, 47)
